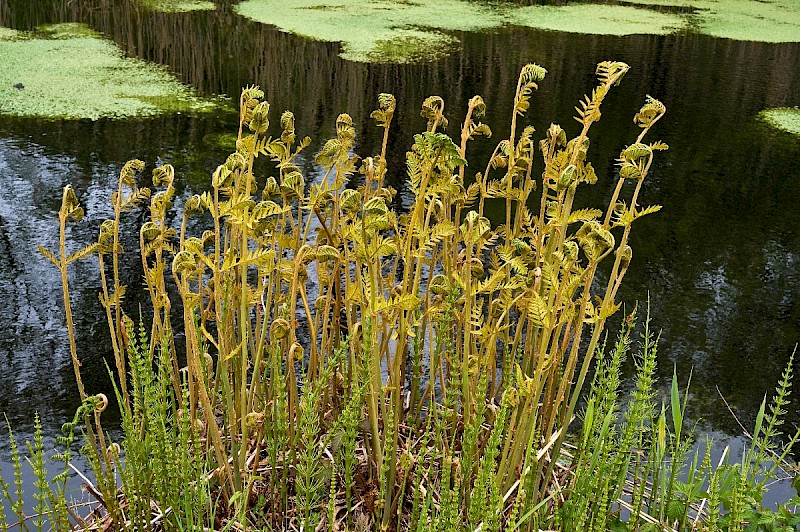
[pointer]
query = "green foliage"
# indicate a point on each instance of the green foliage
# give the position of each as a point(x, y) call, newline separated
point(644, 466)
point(415, 369)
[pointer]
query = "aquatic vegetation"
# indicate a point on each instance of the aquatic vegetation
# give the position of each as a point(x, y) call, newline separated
point(746, 20)
point(599, 19)
point(385, 31)
point(68, 71)
point(7, 34)
point(179, 6)
point(221, 141)
point(408, 30)
point(784, 118)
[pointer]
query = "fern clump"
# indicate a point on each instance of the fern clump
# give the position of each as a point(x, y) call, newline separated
point(460, 333)
point(347, 364)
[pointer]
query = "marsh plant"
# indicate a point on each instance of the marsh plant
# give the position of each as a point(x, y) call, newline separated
point(347, 365)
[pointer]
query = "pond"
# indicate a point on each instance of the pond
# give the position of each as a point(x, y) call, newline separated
point(720, 264)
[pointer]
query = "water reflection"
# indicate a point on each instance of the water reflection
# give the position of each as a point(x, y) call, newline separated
point(719, 261)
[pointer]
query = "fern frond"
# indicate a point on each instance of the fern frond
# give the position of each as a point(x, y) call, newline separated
point(82, 253)
point(584, 215)
point(49, 256)
point(537, 310)
point(650, 112)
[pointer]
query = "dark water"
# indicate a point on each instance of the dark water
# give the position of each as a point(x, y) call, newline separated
point(719, 262)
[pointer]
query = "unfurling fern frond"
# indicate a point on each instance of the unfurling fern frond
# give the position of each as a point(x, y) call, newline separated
point(433, 111)
point(659, 146)
point(287, 126)
point(385, 111)
point(651, 111)
point(70, 208)
point(259, 119)
point(474, 227)
point(611, 72)
point(589, 110)
point(350, 201)
point(293, 184)
point(594, 240)
point(629, 170)
point(164, 176)
point(529, 78)
point(478, 129)
point(555, 138)
point(627, 216)
point(532, 73)
point(128, 173)
point(438, 233)
point(478, 106)
point(264, 209)
point(636, 151)
point(345, 131)
point(251, 95)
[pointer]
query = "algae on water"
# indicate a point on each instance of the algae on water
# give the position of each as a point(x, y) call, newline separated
point(179, 6)
point(389, 31)
point(783, 118)
point(773, 21)
point(599, 19)
point(69, 71)
point(407, 31)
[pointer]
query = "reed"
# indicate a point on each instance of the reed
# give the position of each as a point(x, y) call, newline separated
point(349, 365)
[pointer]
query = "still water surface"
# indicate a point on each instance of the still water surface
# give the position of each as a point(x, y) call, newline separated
point(720, 262)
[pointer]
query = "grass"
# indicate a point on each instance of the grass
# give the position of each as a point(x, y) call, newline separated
point(350, 365)
point(68, 71)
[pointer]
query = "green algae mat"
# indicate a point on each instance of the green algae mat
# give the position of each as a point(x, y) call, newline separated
point(69, 71)
point(178, 6)
point(784, 118)
point(414, 30)
point(375, 30)
point(773, 21)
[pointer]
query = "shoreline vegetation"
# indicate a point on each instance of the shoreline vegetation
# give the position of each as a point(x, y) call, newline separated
point(353, 363)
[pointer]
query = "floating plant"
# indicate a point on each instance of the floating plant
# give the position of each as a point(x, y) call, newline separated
point(179, 6)
point(401, 32)
point(70, 71)
point(783, 118)
point(772, 21)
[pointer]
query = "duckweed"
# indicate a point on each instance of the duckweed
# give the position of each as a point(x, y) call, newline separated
point(69, 71)
point(773, 21)
point(386, 31)
point(179, 6)
point(783, 118)
point(599, 19)
point(408, 31)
